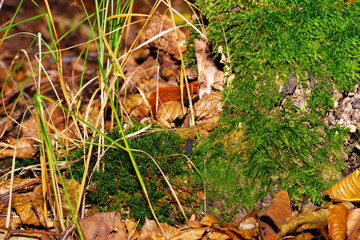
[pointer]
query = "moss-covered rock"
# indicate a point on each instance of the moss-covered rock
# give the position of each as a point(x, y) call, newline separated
point(288, 58)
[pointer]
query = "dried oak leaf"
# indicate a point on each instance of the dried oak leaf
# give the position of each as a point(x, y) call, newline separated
point(208, 107)
point(337, 222)
point(347, 189)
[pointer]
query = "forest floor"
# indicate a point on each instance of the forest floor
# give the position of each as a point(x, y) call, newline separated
point(98, 121)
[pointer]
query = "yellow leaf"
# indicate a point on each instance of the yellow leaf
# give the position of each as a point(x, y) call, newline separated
point(347, 189)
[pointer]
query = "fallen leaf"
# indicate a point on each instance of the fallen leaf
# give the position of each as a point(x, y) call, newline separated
point(308, 221)
point(353, 224)
point(208, 107)
point(130, 102)
point(167, 94)
point(190, 234)
point(206, 67)
point(73, 190)
point(24, 148)
point(29, 207)
point(150, 230)
point(105, 225)
point(347, 189)
point(169, 112)
point(275, 216)
point(337, 222)
point(168, 42)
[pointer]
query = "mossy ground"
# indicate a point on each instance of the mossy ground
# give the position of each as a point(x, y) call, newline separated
point(265, 142)
point(115, 187)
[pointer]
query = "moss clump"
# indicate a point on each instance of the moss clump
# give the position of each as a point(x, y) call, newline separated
point(311, 45)
point(116, 186)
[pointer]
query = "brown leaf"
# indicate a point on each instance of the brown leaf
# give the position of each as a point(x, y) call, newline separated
point(337, 222)
point(190, 234)
point(170, 111)
point(29, 207)
point(245, 222)
point(347, 189)
point(277, 214)
point(226, 230)
point(208, 107)
point(131, 101)
point(130, 226)
point(206, 67)
point(24, 148)
point(15, 221)
point(353, 224)
point(150, 230)
point(208, 220)
point(168, 42)
point(305, 236)
point(18, 184)
point(106, 225)
point(308, 221)
point(73, 190)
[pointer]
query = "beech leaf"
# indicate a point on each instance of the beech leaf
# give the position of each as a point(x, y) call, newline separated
point(337, 221)
point(347, 189)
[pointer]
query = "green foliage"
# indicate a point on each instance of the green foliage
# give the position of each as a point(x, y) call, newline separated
point(116, 186)
point(284, 147)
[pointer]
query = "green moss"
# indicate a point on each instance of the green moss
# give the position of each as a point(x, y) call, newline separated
point(282, 145)
point(116, 186)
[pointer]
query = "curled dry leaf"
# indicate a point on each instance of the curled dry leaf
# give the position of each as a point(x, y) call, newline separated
point(208, 106)
point(308, 221)
point(337, 221)
point(347, 189)
point(277, 214)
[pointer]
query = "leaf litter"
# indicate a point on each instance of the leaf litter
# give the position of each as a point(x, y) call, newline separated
point(154, 91)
